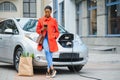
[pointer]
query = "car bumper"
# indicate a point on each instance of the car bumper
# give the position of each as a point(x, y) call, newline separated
point(41, 61)
point(44, 63)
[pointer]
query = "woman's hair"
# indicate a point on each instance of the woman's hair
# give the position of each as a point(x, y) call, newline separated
point(48, 7)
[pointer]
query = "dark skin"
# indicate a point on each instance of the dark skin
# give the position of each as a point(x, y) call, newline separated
point(47, 15)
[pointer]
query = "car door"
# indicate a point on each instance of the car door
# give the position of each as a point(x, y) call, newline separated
point(1, 40)
point(7, 38)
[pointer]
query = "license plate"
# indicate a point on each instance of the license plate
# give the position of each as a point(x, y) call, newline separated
point(69, 55)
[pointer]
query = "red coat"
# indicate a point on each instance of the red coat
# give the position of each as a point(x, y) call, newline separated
point(52, 31)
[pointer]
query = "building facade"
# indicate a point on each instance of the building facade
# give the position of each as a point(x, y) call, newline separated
point(21, 8)
point(97, 22)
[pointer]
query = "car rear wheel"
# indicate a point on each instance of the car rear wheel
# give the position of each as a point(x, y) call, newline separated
point(17, 55)
point(75, 68)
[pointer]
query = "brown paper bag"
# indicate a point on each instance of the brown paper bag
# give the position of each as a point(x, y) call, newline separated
point(25, 66)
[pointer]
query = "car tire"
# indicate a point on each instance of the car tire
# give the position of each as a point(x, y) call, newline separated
point(17, 55)
point(75, 68)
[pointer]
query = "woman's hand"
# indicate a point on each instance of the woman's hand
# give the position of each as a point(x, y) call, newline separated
point(43, 29)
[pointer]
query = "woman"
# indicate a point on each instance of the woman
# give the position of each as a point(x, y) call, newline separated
point(48, 27)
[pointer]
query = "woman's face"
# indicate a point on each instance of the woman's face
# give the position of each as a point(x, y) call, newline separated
point(47, 13)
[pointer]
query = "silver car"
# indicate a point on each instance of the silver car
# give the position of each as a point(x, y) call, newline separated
point(19, 35)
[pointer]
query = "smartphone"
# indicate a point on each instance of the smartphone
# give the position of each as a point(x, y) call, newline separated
point(45, 26)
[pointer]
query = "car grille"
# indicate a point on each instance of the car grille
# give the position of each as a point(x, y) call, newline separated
point(68, 57)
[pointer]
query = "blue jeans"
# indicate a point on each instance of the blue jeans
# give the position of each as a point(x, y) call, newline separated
point(47, 52)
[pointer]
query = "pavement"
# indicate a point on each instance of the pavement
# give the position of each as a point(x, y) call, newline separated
point(104, 66)
point(98, 57)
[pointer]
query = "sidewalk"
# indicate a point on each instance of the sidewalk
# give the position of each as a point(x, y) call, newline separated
point(104, 57)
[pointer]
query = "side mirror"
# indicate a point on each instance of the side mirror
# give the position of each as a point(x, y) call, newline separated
point(8, 31)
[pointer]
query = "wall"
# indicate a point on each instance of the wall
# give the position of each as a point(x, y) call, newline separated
point(19, 13)
point(39, 8)
point(101, 40)
point(70, 16)
point(19, 6)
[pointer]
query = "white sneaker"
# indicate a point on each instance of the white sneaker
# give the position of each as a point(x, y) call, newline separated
point(47, 75)
point(53, 73)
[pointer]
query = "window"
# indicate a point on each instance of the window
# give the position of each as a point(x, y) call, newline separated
point(9, 24)
point(77, 18)
point(113, 11)
point(92, 9)
point(29, 8)
point(30, 25)
point(62, 13)
point(55, 9)
point(7, 6)
point(1, 27)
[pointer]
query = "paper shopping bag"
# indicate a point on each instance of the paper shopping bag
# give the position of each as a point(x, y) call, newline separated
point(25, 66)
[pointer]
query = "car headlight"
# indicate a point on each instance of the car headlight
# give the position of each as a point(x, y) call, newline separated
point(37, 58)
point(77, 40)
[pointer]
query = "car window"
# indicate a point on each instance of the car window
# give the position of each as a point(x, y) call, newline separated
point(1, 27)
point(31, 24)
point(61, 29)
point(10, 24)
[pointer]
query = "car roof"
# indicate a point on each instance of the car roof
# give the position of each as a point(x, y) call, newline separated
point(3, 19)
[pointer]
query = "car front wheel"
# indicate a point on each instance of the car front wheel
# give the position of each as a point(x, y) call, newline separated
point(75, 68)
point(17, 55)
